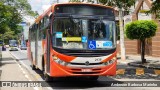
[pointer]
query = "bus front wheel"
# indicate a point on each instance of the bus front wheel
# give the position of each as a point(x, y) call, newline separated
point(47, 78)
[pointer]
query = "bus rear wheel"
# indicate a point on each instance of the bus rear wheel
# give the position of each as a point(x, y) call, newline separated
point(33, 67)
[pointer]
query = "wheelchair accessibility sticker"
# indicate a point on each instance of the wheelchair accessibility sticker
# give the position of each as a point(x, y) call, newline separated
point(92, 44)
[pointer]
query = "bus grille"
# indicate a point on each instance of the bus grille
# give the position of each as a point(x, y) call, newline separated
point(85, 64)
point(84, 53)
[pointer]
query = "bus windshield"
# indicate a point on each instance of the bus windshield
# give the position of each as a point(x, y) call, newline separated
point(83, 33)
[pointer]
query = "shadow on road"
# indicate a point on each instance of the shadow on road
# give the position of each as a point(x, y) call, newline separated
point(80, 83)
point(7, 60)
point(77, 82)
point(23, 59)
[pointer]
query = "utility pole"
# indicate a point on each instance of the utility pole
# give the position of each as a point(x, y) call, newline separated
point(122, 46)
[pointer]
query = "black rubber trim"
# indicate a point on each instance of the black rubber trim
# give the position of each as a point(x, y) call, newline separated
point(84, 53)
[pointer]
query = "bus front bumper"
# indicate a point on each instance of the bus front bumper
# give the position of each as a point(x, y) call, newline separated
point(57, 70)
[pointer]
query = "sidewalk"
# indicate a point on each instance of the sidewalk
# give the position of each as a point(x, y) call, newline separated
point(135, 60)
point(10, 71)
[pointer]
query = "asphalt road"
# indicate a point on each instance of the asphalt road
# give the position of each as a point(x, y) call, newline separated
point(103, 82)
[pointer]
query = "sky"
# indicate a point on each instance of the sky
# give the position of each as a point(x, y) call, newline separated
point(42, 5)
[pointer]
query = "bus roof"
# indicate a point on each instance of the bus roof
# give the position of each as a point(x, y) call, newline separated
point(51, 8)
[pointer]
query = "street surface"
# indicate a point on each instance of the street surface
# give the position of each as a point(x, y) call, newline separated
point(18, 60)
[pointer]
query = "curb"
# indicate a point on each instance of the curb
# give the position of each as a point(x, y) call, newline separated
point(143, 66)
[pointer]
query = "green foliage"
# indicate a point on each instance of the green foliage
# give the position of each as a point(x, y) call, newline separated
point(123, 4)
point(141, 29)
point(25, 8)
point(9, 18)
point(4, 17)
point(22, 6)
point(156, 8)
point(11, 12)
point(80, 0)
point(74, 0)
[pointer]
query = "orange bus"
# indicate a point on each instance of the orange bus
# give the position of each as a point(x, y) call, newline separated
point(74, 39)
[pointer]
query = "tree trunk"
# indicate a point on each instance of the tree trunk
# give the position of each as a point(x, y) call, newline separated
point(143, 51)
point(122, 46)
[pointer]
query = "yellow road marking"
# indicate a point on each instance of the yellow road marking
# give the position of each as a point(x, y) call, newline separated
point(139, 71)
point(37, 76)
point(157, 72)
point(120, 71)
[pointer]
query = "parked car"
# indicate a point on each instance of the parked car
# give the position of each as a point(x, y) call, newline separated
point(23, 47)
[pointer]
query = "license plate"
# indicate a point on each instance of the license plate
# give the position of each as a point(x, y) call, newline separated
point(86, 70)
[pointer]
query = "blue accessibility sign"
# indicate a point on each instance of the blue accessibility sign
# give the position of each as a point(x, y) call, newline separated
point(92, 44)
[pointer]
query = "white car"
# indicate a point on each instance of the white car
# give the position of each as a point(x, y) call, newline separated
point(23, 47)
point(13, 49)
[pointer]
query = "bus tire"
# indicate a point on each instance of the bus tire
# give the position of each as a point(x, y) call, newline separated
point(33, 67)
point(47, 78)
point(43, 63)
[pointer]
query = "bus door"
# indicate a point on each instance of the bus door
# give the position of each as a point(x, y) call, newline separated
point(48, 51)
point(33, 45)
point(39, 48)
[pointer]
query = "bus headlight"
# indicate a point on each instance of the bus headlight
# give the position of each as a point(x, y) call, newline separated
point(59, 61)
point(110, 61)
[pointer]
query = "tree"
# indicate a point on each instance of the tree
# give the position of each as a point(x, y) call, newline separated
point(5, 17)
point(9, 18)
point(23, 7)
point(12, 12)
point(156, 8)
point(121, 5)
point(141, 30)
point(74, 0)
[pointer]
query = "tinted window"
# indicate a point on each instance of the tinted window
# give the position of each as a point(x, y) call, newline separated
point(84, 10)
